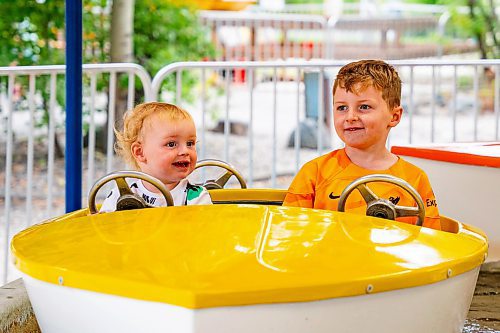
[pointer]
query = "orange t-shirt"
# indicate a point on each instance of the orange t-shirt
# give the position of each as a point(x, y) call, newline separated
point(320, 182)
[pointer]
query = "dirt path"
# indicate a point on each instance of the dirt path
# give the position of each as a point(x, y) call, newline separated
point(485, 307)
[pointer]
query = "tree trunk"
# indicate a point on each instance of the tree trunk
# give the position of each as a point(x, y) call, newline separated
point(479, 36)
point(122, 50)
point(491, 21)
point(122, 30)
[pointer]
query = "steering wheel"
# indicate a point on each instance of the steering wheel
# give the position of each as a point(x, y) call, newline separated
point(217, 184)
point(379, 207)
point(128, 200)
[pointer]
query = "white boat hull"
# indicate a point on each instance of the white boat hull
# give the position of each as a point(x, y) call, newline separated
point(439, 307)
point(469, 193)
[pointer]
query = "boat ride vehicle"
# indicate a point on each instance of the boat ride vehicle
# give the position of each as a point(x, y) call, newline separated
point(248, 264)
point(465, 178)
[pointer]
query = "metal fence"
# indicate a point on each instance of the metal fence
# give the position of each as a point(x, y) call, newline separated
point(265, 118)
point(445, 101)
point(32, 136)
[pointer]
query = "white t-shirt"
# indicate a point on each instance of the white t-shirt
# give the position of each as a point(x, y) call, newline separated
point(183, 194)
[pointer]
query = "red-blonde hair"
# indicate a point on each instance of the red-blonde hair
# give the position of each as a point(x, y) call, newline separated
point(134, 122)
point(357, 76)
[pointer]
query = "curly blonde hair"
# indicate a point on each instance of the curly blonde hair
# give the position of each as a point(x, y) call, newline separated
point(134, 122)
point(376, 73)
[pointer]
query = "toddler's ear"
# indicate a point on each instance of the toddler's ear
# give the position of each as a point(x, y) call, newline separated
point(137, 152)
point(397, 112)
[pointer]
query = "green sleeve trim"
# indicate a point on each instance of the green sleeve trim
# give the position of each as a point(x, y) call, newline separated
point(193, 192)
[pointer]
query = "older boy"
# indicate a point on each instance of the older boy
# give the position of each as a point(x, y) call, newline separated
point(366, 105)
point(160, 140)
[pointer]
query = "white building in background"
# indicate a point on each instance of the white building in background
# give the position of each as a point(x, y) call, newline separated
point(333, 8)
point(272, 4)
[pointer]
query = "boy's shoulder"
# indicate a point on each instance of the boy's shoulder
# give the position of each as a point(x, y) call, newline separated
point(409, 171)
point(325, 167)
point(316, 172)
point(334, 158)
point(404, 164)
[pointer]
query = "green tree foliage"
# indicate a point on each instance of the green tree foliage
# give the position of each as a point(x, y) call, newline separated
point(475, 19)
point(165, 33)
point(479, 22)
point(96, 31)
point(31, 32)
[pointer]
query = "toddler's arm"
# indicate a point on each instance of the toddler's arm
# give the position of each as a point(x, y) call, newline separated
point(109, 204)
point(198, 195)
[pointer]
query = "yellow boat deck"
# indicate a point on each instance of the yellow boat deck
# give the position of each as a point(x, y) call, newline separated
point(237, 254)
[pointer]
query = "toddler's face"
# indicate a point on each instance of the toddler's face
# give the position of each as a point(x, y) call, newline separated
point(168, 149)
point(363, 120)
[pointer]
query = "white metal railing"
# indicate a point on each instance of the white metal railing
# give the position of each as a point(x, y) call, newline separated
point(20, 105)
point(444, 101)
point(449, 100)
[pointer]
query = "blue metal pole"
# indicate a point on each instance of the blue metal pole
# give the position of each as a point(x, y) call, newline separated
point(73, 105)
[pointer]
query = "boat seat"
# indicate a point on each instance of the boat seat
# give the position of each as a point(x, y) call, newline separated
point(273, 197)
point(449, 225)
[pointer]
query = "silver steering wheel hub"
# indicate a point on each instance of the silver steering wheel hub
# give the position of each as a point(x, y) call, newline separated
point(128, 199)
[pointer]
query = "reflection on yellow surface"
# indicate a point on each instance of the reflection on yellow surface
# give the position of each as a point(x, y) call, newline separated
point(288, 242)
point(389, 236)
point(414, 256)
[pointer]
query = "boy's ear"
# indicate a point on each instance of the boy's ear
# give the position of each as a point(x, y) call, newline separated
point(397, 112)
point(137, 152)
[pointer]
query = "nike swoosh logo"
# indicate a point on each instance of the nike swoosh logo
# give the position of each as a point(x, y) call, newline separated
point(331, 196)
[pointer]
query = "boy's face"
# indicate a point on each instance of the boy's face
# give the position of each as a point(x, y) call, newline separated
point(363, 120)
point(167, 149)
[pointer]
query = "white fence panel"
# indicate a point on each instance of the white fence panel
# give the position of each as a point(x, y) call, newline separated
point(32, 136)
point(264, 102)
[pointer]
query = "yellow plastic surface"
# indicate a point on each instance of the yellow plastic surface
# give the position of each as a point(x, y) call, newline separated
point(221, 255)
point(247, 195)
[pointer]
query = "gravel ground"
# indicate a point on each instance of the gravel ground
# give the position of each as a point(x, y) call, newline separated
point(484, 313)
